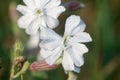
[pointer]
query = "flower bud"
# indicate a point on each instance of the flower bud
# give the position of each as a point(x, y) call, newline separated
point(74, 5)
point(18, 48)
point(41, 66)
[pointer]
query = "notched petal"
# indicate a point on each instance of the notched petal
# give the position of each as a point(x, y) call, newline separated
point(25, 21)
point(81, 37)
point(71, 23)
point(67, 62)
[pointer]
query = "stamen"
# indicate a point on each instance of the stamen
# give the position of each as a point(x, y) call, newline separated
point(38, 11)
point(65, 41)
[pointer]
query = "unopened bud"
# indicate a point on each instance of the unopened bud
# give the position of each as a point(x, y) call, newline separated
point(18, 48)
point(42, 65)
point(74, 5)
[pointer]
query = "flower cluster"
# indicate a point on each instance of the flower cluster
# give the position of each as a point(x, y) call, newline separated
point(40, 16)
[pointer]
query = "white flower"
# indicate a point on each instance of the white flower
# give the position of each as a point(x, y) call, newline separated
point(38, 13)
point(70, 47)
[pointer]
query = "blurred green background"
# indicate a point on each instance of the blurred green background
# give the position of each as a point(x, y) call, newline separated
point(102, 62)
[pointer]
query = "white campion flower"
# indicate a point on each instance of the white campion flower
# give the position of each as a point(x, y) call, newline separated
point(70, 48)
point(39, 13)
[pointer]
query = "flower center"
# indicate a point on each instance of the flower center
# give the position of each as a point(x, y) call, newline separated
point(65, 42)
point(38, 12)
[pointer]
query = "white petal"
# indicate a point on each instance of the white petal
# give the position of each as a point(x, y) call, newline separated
point(81, 37)
point(76, 56)
point(71, 23)
point(33, 27)
point(47, 33)
point(55, 54)
point(25, 21)
point(43, 23)
point(41, 3)
point(51, 56)
point(39, 57)
point(55, 12)
point(50, 39)
point(34, 41)
point(79, 48)
point(78, 60)
point(29, 3)
point(51, 22)
point(67, 62)
point(53, 3)
point(49, 44)
point(23, 9)
point(79, 28)
point(81, 61)
point(38, 3)
point(45, 53)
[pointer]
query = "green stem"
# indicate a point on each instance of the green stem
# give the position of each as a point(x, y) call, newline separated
point(72, 76)
point(21, 77)
point(12, 72)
